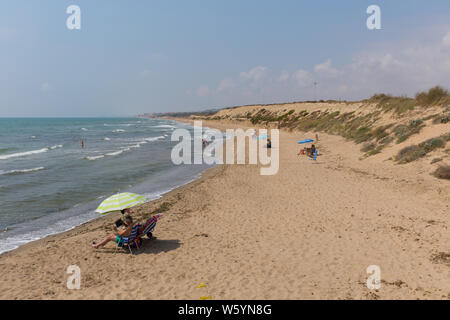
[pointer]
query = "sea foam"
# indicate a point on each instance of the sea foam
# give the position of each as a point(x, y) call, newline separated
point(28, 153)
point(23, 154)
point(151, 139)
point(11, 172)
point(133, 146)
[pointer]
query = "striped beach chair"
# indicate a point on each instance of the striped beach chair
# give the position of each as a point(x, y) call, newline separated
point(132, 240)
point(314, 157)
point(150, 225)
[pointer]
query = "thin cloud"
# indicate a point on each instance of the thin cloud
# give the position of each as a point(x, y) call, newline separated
point(226, 85)
point(284, 76)
point(45, 87)
point(202, 91)
point(446, 40)
point(302, 78)
point(400, 68)
point(326, 69)
point(254, 74)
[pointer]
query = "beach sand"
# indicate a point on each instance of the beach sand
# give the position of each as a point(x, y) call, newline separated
point(308, 232)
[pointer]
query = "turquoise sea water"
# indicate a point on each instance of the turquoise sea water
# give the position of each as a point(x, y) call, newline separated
point(49, 183)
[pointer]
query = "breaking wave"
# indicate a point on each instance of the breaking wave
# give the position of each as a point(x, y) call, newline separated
point(28, 153)
point(11, 172)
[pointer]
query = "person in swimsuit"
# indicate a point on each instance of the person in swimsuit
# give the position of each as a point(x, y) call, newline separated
point(117, 235)
point(311, 151)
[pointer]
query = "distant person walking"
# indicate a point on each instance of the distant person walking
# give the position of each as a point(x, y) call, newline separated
point(82, 144)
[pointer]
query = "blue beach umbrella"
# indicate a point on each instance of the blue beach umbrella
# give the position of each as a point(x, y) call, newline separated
point(305, 141)
point(263, 136)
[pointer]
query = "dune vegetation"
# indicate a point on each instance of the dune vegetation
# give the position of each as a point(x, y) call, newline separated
point(376, 123)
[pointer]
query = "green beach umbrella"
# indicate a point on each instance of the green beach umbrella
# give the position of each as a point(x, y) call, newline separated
point(120, 201)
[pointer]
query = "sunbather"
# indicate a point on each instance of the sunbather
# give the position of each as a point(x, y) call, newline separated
point(117, 235)
point(310, 151)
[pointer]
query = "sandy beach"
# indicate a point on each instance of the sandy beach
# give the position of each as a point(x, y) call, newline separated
point(308, 232)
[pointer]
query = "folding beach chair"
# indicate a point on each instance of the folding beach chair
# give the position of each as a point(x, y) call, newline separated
point(314, 157)
point(133, 239)
point(150, 225)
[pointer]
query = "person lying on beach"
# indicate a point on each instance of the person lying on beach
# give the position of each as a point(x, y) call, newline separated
point(117, 235)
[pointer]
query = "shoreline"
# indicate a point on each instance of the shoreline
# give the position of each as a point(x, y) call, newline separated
point(329, 221)
point(83, 224)
point(110, 218)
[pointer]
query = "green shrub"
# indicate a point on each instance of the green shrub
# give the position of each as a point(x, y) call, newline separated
point(446, 136)
point(432, 144)
point(380, 132)
point(374, 151)
point(415, 152)
point(362, 134)
point(403, 132)
point(388, 103)
point(434, 96)
point(435, 160)
point(368, 147)
point(409, 154)
point(441, 118)
point(387, 140)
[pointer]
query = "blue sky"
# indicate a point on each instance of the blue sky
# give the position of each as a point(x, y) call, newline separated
point(132, 57)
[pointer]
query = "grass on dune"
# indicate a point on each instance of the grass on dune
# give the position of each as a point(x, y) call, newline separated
point(434, 96)
point(414, 152)
point(403, 132)
point(361, 128)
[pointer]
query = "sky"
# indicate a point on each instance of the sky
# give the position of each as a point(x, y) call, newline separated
point(144, 56)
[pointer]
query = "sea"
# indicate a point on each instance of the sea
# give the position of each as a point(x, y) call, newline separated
point(54, 172)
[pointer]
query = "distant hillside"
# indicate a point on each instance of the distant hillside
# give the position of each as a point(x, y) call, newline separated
point(396, 128)
point(182, 114)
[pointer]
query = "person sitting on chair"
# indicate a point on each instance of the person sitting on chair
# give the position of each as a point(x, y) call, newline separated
point(117, 235)
point(311, 151)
